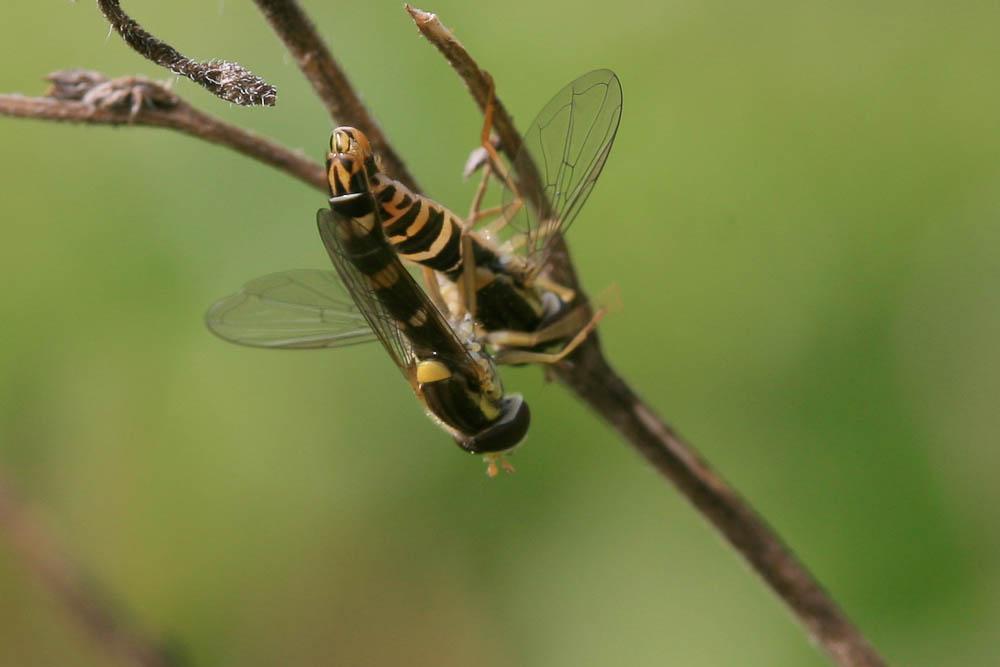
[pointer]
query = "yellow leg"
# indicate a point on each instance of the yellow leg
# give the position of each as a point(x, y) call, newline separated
point(510, 341)
point(492, 168)
point(564, 293)
point(505, 215)
point(567, 325)
point(476, 212)
point(468, 287)
point(495, 164)
point(478, 216)
point(434, 290)
point(494, 462)
point(477, 199)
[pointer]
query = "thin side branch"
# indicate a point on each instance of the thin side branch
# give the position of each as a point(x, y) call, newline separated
point(228, 80)
point(63, 578)
point(588, 374)
point(138, 101)
point(329, 81)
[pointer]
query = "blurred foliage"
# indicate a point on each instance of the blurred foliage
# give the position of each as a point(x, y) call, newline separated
point(801, 213)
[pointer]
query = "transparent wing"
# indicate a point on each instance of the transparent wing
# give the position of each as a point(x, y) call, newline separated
point(567, 145)
point(379, 321)
point(293, 309)
point(434, 336)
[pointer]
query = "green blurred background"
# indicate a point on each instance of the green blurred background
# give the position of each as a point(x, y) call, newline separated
point(800, 211)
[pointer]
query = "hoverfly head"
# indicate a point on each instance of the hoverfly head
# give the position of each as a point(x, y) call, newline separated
point(350, 163)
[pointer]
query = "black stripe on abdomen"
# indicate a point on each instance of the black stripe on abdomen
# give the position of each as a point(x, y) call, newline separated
point(424, 237)
point(399, 226)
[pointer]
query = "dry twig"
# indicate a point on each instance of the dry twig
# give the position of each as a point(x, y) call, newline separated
point(228, 80)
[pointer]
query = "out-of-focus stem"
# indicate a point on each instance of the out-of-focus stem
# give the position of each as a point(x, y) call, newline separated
point(63, 578)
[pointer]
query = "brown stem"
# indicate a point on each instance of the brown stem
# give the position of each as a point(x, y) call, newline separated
point(180, 116)
point(329, 81)
point(588, 374)
point(228, 80)
point(63, 578)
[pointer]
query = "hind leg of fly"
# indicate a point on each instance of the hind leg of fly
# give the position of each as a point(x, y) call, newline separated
point(468, 279)
point(536, 237)
point(564, 293)
point(510, 341)
point(476, 212)
point(496, 462)
point(494, 166)
point(434, 289)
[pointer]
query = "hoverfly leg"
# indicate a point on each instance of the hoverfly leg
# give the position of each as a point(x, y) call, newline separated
point(566, 326)
point(495, 165)
point(521, 339)
point(467, 282)
point(468, 286)
point(485, 214)
point(492, 167)
point(496, 462)
point(434, 289)
point(475, 214)
point(564, 293)
point(502, 214)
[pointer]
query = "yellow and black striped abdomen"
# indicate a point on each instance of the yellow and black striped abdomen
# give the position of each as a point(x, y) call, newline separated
point(427, 233)
point(420, 230)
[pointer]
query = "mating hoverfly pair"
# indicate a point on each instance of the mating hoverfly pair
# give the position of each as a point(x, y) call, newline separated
point(489, 299)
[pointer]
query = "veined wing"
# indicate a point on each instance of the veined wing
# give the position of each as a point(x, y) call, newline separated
point(567, 145)
point(300, 309)
point(402, 316)
point(379, 321)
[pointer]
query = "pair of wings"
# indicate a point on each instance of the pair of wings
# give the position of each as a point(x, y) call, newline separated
point(566, 146)
point(310, 309)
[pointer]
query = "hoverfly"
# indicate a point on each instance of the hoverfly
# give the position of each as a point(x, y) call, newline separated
point(498, 271)
point(377, 298)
